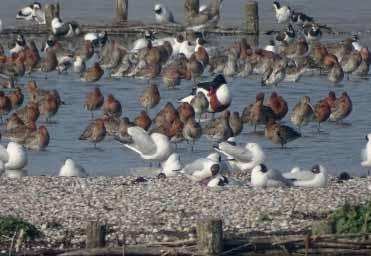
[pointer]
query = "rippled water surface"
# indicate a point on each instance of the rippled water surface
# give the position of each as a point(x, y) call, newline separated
point(338, 147)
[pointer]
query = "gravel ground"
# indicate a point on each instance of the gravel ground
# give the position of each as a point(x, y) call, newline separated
point(167, 209)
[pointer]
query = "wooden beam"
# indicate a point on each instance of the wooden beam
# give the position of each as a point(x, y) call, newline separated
point(121, 11)
point(210, 237)
point(252, 17)
point(95, 235)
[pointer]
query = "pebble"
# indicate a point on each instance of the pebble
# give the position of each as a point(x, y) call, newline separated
point(165, 210)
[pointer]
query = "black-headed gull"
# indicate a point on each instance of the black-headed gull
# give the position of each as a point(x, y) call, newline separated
point(155, 146)
point(319, 179)
point(202, 168)
point(262, 177)
point(242, 158)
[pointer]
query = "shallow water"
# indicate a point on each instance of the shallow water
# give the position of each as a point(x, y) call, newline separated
point(338, 148)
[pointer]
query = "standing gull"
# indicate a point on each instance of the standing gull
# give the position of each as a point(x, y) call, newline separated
point(155, 146)
point(242, 158)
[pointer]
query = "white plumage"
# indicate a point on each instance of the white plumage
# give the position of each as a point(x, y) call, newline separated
point(71, 169)
point(283, 13)
point(150, 147)
point(172, 165)
point(242, 158)
point(201, 168)
point(163, 14)
point(262, 177)
point(366, 153)
point(14, 157)
point(319, 178)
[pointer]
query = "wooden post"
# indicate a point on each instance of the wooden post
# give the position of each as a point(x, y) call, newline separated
point(252, 17)
point(210, 237)
point(51, 11)
point(191, 8)
point(95, 235)
point(121, 11)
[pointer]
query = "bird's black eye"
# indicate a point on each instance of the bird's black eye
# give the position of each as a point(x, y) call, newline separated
point(366, 138)
point(263, 168)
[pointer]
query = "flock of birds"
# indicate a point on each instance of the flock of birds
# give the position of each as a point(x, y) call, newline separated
point(293, 52)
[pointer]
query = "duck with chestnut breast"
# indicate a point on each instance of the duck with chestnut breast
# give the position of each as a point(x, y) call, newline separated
point(280, 134)
point(38, 140)
point(217, 93)
point(342, 108)
point(278, 105)
point(302, 113)
point(94, 132)
point(322, 112)
point(94, 100)
point(150, 97)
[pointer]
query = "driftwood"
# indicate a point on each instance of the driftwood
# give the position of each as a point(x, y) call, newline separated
point(129, 251)
point(336, 244)
point(129, 28)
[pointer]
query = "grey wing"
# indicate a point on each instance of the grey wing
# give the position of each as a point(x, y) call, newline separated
point(196, 165)
point(142, 141)
point(277, 178)
point(240, 154)
point(302, 175)
point(4, 156)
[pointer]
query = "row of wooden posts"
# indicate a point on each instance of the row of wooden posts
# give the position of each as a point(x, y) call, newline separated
point(209, 236)
point(121, 8)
